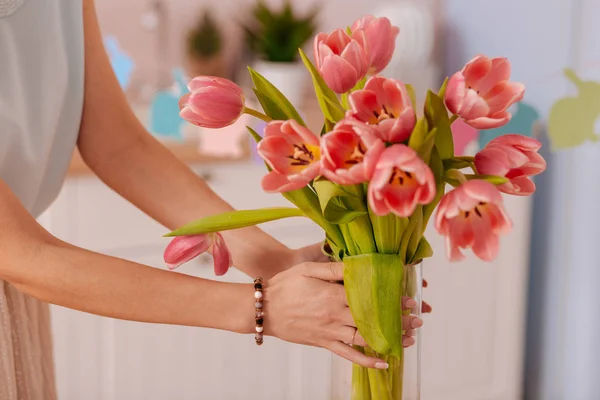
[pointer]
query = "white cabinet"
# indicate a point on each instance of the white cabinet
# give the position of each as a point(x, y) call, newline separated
point(472, 343)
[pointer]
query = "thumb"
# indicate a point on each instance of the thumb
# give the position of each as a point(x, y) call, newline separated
point(329, 271)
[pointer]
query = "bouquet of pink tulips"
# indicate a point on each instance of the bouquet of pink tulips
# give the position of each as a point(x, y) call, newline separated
point(374, 175)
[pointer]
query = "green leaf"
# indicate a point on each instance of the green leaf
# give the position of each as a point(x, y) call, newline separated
point(373, 285)
point(337, 204)
point(455, 163)
point(412, 94)
point(235, 220)
point(496, 180)
point(272, 97)
point(437, 117)
point(424, 250)
point(328, 101)
point(254, 134)
point(307, 201)
point(340, 215)
point(271, 108)
point(442, 91)
point(437, 167)
point(417, 137)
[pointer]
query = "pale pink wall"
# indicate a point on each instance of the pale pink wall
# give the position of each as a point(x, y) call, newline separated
point(123, 19)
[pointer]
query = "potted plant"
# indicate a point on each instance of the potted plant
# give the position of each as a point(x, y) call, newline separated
point(204, 48)
point(274, 36)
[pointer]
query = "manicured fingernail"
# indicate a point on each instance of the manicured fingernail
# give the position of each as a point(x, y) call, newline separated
point(408, 341)
point(417, 322)
point(382, 365)
point(410, 303)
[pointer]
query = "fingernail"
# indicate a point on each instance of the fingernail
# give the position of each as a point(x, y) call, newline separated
point(410, 303)
point(381, 365)
point(417, 322)
point(408, 341)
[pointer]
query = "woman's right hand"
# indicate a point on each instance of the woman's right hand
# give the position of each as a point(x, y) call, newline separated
point(306, 304)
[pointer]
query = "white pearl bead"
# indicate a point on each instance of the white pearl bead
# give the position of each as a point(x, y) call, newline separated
point(258, 295)
point(259, 329)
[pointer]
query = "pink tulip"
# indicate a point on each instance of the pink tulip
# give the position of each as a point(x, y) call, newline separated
point(514, 157)
point(350, 152)
point(401, 181)
point(472, 215)
point(481, 93)
point(213, 102)
point(292, 151)
point(385, 103)
point(185, 248)
point(341, 59)
point(381, 41)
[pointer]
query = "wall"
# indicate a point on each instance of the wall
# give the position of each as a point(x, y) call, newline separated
point(541, 37)
point(124, 20)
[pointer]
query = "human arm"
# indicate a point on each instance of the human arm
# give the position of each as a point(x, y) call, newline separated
point(120, 151)
point(301, 306)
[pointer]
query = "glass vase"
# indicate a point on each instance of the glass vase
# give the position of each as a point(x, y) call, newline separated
point(402, 380)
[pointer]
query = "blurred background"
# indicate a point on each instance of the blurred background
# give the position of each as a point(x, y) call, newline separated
point(525, 326)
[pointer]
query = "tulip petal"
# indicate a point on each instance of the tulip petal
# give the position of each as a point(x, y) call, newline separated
point(185, 248)
point(221, 255)
point(489, 123)
point(498, 72)
point(274, 182)
point(476, 70)
point(455, 93)
point(339, 74)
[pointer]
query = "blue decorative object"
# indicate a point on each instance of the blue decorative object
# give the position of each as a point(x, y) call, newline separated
point(122, 64)
point(164, 112)
point(521, 123)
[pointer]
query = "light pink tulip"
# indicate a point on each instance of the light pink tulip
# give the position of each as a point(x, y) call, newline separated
point(481, 93)
point(472, 216)
point(381, 41)
point(350, 152)
point(213, 102)
point(293, 153)
point(385, 103)
point(185, 248)
point(400, 182)
point(341, 59)
point(514, 157)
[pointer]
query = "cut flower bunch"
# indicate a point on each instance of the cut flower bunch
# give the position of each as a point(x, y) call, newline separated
point(375, 174)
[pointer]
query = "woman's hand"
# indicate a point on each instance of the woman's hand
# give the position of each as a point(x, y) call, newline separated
point(307, 305)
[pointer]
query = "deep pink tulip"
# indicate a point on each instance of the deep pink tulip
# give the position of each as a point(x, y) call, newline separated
point(481, 93)
point(514, 157)
point(400, 182)
point(472, 216)
point(381, 41)
point(341, 59)
point(385, 103)
point(213, 102)
point(293, 153)
point(349, 152)
point(185, 248)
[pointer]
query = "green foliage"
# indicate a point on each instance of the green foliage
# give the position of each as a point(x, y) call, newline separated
point(206, 39)
point(235, 220)
point(276, 35)
point(273, 102)
point(330, 105)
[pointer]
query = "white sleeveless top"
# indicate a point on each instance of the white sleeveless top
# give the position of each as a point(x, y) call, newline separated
point(41, 98)
point(41, 95)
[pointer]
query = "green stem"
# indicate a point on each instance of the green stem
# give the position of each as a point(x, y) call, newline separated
point(455, 175)
point(453, 118)
point(468, 159)
point(257, 114)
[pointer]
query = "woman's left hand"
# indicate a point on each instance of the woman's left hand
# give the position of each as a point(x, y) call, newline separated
point(313, 253)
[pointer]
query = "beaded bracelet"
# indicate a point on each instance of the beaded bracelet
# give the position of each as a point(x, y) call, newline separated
point(258, 310)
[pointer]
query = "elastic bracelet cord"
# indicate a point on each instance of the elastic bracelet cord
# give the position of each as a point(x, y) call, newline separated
point(258, 311)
